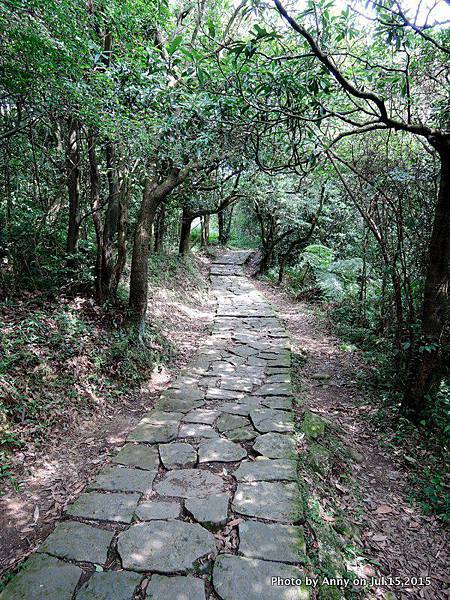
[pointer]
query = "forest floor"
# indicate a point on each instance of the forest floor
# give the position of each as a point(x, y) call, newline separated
point(359, 519)
point(366, 485)
point(54, 463)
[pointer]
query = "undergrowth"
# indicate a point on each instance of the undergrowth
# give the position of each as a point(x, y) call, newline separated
point(174, 272)
point(64, 357)
point(423, 449)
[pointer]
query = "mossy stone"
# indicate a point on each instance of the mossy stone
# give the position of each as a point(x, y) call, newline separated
point(320, 459)
point(313, 426)
point(330, 592)
point(344, 528)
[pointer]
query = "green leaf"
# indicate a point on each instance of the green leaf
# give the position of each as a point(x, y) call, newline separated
point(171, 48)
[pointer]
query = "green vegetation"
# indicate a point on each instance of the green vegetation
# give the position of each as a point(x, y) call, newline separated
point(66, 357)
point(132, 132)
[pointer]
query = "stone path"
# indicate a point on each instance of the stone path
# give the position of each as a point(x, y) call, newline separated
point(202, 500)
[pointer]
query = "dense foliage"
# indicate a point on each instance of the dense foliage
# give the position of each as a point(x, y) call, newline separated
point(316, 131)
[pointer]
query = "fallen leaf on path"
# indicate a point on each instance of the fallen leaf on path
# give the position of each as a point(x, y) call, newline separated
point(234, 522)
point(378, 537)
point(384, 509)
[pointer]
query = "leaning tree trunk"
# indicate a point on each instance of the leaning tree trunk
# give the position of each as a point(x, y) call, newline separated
point(153, 196)
point(266, 261)
point(426, 369)
point(73, 184)
point(185, 233)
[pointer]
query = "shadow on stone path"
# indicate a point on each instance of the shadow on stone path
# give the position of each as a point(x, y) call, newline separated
point(202, 500)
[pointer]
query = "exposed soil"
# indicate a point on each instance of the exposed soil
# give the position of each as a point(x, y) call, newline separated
point(393, 532)
point(53, 475)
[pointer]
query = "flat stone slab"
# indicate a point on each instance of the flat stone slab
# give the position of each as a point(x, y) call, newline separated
point(197, 430)
point(77, 541)
point(185, 392)
point(283, 370)
point(152, 510)
point(43, 578)
point(201, 415)
point(279, 378)
point(233, 257)
point(221, 367)
point(252, 401)
point(280, 402)
point(157, 427)
point(236, 384)
point(123, 479)
point(226, 422)
point(255, 361)
point(110, 585)
point(220, 450)
point(212, 510)
point(220, 394)
point(235, 408)
point(138, 455)
point(265, 469)
point(268, 541)
point(275, 445)
point(181, 405)
point(164, 546)
point(176, 588)
point(268, 419)
point(189, 483)
point(275, 389)
point(240, 578)
point(242, 434)
point(118, 508)
point(269, 500)
point(177, 454)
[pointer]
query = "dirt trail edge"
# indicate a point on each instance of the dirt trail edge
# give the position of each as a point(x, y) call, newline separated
point(202, 500)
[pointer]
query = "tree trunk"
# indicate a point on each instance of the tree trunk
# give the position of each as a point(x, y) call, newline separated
point(426, 369)
point(160, 230)
point(224, 219)
point(205, 231)
point(266, 260)
point(185, 233)
point(122, 225)
point(94, 177)
point(153, 196)
point(73, 184)
point(221, 222)
point(141, 251)
point(110, 228)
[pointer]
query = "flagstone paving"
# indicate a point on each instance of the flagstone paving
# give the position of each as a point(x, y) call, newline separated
point(214, 460)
